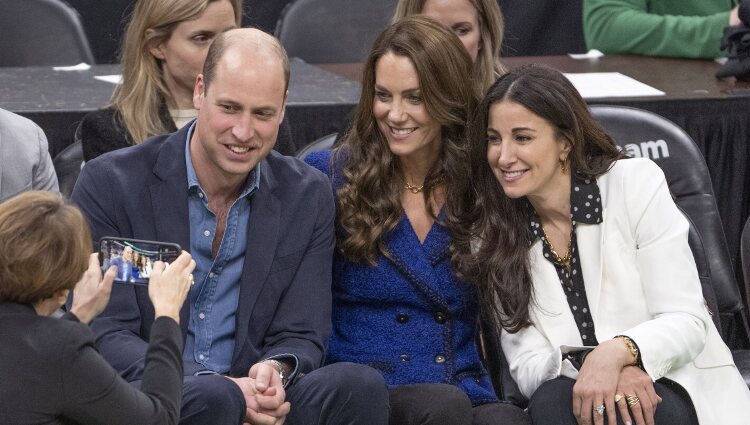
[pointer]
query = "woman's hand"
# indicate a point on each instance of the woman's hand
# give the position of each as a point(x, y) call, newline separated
point(636, 392)
point(91, 294)
point(597, 382)
point(168, 286)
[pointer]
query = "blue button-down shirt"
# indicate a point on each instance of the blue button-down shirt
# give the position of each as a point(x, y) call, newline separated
point(214, 297)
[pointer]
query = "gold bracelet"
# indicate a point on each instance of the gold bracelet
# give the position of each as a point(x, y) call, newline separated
point(630, 345)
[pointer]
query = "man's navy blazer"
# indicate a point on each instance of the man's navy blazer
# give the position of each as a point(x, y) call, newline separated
point(285, 289)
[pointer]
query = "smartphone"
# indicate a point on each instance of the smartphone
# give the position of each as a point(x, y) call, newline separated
point(134, 258)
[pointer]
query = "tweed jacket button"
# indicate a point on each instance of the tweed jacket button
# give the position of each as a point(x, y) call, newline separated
point(404, 358)
point(440, 358)
point(402, 318)
point(440, 317)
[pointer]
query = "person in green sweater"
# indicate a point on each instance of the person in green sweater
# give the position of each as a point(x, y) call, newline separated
point(675, 28)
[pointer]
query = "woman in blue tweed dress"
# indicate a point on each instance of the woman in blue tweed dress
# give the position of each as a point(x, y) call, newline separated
point(398, 307)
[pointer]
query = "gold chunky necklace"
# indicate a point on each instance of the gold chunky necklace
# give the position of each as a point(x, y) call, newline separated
point(412, 188)
point(563, 261)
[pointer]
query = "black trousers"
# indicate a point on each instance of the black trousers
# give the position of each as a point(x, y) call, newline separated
point(338, 394)
point(552, 404)
point(442, 404)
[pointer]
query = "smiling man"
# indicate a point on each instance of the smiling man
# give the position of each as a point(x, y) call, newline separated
point(260, 228)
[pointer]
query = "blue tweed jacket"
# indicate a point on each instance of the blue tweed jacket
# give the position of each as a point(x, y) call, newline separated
point(408, 317)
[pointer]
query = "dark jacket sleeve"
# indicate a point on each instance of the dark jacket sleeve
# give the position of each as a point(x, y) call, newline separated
point(95, 394)
point(303, 316)
point(118, 328)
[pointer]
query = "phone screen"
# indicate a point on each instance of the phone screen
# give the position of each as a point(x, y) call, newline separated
point(134, 258)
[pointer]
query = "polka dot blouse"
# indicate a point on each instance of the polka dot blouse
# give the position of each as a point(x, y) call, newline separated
point(585, 207)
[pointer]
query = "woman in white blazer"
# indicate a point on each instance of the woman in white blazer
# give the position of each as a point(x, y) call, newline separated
point(583, 258)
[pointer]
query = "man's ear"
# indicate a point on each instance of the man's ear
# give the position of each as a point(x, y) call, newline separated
point(156, 49)
point(283, 106)
point(199, 92)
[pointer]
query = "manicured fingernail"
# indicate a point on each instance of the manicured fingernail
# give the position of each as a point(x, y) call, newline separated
point(628, 423)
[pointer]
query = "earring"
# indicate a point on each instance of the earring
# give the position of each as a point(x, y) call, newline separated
point(564, 165)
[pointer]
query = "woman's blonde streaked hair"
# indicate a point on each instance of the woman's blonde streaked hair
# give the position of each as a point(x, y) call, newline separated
point(491, 29)
point(139, 99)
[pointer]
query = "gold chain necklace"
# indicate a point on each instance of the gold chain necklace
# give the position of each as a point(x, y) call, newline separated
point(412, 188)
point(563, 261)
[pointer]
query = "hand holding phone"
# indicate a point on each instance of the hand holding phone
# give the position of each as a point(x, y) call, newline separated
point(134, 258)
point(91, 293)
point(170, 285)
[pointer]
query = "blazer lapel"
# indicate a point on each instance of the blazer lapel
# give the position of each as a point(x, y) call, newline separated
point(262, 239)
point(169, 200)
point(415, 261)
point(589, 239)
point(551, 311)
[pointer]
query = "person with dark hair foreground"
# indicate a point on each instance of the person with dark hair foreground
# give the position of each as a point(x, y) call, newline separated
point(260, 227)
point(397, 305)
point(49, 369)
point(583, 257)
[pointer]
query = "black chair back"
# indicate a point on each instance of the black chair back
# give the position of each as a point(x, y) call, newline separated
point(333, 31)
point(41, 33)
point(745, 255)
point(68, 165)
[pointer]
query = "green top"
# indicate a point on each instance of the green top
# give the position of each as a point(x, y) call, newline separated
point(678, 28)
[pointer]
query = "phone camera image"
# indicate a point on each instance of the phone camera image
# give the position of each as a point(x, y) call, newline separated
point(133, 258)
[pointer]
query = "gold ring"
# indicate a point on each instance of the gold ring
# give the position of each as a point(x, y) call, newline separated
point(618, 397)
point(632, 400)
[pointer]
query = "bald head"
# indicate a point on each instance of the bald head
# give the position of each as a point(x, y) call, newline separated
point(250, 43)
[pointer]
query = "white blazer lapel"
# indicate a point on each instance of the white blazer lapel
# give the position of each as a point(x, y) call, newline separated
point(551, 313)
point(589, 240)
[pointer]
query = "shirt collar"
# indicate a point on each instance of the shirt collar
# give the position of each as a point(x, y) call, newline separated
point(585, 206)
point(585, 201)
point(251, 184)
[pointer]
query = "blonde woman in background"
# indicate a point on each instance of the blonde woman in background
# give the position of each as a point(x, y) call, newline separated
point(477, 23)
point(163, 51)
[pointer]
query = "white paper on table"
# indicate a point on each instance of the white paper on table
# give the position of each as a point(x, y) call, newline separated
point(593, 85)
point(113, 79)
point(591, 54)
point(83, 66)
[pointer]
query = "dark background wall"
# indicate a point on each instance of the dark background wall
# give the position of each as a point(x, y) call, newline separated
point(532, 28)
point(542, 27)
point(104, 21)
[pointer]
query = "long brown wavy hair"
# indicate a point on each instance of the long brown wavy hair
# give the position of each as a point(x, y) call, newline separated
point(369, 200)
point(491, 236)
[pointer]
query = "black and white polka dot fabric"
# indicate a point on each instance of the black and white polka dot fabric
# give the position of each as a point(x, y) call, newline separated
point(586, 208)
